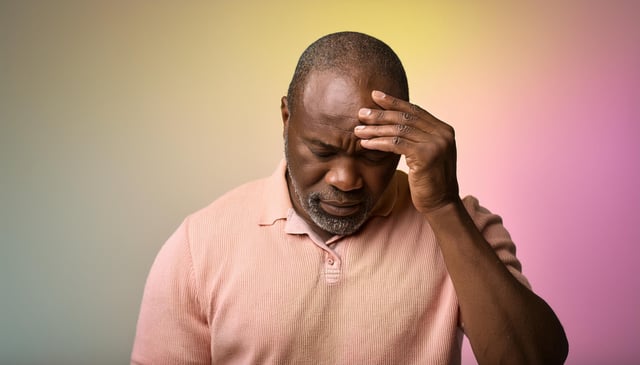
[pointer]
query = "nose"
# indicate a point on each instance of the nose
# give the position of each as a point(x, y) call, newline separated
point(344, 175)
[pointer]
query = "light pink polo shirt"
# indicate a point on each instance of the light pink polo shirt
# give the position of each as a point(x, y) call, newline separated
point(245, 281)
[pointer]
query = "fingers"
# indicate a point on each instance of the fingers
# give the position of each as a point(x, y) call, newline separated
point(408, 143)
point(380, 116)
point(427, 143)
point(388, 138)
point(398, 111)
point(399, 126)
point(406, 108)
point(390, 130)
point(390, 102)
point(397, 145)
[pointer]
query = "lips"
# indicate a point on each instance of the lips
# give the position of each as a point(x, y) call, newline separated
point(340, 209)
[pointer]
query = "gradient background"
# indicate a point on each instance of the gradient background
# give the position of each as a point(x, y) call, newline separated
point(119, 118)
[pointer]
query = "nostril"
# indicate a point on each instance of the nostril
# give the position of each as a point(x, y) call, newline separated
point(344, 180)
point(344, 174)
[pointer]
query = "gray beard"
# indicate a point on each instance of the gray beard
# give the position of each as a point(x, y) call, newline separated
point(327, 222)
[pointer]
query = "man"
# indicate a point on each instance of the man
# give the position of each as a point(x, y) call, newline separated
point(338, 258)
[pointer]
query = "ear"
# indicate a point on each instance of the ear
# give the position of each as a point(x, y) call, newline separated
point(284, 110)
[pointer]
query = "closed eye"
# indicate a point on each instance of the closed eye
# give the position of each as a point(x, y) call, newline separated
point(321, 149)
point(322, 153)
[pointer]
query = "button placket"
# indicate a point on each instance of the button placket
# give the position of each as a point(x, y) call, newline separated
point(331, 268)
point(331, 259)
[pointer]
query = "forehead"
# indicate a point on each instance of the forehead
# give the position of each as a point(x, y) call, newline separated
point(332, 100)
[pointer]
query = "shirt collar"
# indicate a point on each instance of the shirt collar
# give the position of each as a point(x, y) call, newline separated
point(277, 201)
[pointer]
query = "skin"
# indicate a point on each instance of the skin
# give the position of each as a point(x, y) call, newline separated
point(325, 158)
point(505, 322)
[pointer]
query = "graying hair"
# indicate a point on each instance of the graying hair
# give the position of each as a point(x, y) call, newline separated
point(346, 53)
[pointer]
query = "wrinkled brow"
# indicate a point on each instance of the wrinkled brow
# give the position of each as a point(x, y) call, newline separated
point(320, 143)
point(335, 127)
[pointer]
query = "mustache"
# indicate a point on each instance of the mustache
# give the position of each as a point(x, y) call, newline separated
point(333, 193)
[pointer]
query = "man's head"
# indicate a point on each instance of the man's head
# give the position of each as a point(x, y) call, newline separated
point(345, 53)
point(334, 183)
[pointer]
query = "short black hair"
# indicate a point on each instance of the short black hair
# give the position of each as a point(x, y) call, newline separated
point(348, 52)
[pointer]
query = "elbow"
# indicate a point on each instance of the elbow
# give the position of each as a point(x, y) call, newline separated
point(559, 349)
point(551, 344)
point(549, 347)
point(553, 350)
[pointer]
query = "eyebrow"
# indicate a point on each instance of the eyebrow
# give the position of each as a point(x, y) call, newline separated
point(320, 143)
point(333, 126)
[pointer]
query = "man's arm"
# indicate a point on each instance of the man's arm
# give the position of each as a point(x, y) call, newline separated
point(505, 322)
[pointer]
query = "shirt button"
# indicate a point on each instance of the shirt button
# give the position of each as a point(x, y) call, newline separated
point(330, 261)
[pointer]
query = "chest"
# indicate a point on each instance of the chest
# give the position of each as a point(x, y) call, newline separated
point(361, 300)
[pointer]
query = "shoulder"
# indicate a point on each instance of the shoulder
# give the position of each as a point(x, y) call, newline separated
point(493, 230)
point(224, 227)
point(240, 200)
point(237, 210)
point(482, 217)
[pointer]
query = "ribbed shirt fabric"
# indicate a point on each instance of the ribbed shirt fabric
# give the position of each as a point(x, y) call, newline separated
point(246, 281)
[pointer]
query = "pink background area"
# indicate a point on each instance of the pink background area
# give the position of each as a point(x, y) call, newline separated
point(120, 118)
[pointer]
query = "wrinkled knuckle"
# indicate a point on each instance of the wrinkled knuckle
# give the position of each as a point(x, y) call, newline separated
point(415, 108)
point(396, 140)
point(380, 115)
point(402, 129)
point(408, 116)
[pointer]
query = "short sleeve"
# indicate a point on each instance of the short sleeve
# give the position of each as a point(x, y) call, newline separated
point(172, 327)
point(490, 225)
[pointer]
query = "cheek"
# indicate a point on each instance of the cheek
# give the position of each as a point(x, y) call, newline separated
point(306, 171)
point(310, 174)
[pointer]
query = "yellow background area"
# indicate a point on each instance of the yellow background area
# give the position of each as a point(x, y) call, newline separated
point(119, 118)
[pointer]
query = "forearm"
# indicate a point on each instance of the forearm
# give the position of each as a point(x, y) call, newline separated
point(505, 321)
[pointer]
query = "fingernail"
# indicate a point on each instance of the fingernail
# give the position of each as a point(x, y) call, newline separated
point(378, 94)
point(359, 127)
point(364, 112)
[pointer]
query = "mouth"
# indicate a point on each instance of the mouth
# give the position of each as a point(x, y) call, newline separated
point(340, 209)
